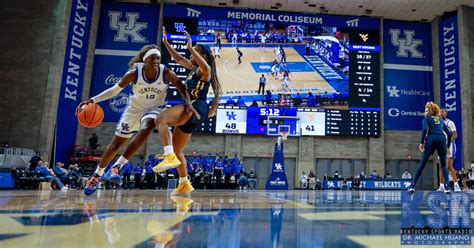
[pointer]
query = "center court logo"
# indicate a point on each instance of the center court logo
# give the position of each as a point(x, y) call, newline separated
point(407, 45)
point(119, 102)
point(392, 91)
point(129, 29)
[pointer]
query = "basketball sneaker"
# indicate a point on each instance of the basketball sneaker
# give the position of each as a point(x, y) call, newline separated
point(169, 161)
point(441, 187)
point(113, 174)
point(447, 189)
point(183, 188)
point(456, 187)
point(411, 189)
point(92, 183)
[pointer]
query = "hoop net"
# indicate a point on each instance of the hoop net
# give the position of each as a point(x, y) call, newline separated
point(284, 134)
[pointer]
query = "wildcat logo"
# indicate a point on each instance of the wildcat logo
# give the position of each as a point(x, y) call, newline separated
point(407, 45)
point(364, 37)
point(129, 29)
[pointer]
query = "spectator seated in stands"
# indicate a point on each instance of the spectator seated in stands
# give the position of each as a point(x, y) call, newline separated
point(81, 151)
point(94, 141)
point(252, 179)
point(243, 182)
point(344, 185)
point(387, 175)
point(361, 174)
point(304, 180)
point(318, 184)
point(297, 100)
point(336, 174)
point(240, 102)
point(34, 161)
point(43, 171)
point(356, 182)
point(126, 173)
point(230, 102)
point(137, 176)
point(77, 180)
point(268, 98)
point(62, 173)
point(311, 101)
point(374, 175)
point(406, 175)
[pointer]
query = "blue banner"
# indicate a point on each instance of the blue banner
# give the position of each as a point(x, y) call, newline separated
point(277, 179)
point(450, 85)
point(72, 79)
point(123, 30)
point(382, 184)
point(193, 11)
point(408, 74)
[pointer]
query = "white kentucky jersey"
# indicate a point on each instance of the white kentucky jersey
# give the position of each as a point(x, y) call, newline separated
point(148, 94)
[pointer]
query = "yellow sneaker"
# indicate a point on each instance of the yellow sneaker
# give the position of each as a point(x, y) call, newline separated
point(169, 161)
point(183, 188)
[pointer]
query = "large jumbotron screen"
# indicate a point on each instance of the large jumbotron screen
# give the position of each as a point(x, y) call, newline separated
point(332, 64)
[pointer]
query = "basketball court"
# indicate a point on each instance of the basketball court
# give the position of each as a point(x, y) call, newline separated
point(207, 219)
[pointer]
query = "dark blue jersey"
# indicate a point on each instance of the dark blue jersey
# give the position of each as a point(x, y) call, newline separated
point(434, 125)
point(197, 88)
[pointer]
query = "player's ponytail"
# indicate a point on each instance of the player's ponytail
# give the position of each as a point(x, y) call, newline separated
point(139, 57)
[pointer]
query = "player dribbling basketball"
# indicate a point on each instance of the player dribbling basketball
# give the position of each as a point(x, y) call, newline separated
point(149, 89)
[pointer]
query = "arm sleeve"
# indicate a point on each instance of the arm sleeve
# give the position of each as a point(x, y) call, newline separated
point(448, 133)
point(425, 130)
point(107, 94)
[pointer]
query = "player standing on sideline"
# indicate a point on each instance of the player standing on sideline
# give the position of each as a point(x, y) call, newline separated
point(203, 74)
point(262, 40)
point(282, 54)
point(239, 54)
point(149, 88)
point(261, 84)
point(218, 40)
point(432, 138)
point(451, 153)
point(216, 52)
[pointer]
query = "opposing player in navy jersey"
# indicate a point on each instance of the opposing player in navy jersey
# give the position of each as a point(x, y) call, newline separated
point(433, 138)
point(203, 74)
point(149, 80)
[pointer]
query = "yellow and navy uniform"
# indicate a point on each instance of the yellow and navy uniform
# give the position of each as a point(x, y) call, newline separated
point(198, 90)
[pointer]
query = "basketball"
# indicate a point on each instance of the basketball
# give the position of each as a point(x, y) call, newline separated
point(90, 115)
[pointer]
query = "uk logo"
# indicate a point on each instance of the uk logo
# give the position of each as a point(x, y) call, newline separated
point(231, 115)
point(125, 127)
point(278, 166)
point(393, 91)
point(406, 45)
point(129, 29)
point(179, 26)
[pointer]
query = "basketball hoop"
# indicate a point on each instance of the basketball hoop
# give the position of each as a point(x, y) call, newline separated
point(284, 134)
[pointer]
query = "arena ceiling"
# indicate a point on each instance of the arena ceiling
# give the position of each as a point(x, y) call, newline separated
point(413, 10)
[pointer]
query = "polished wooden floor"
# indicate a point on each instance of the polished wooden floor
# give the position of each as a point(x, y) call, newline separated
point(141, 218)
